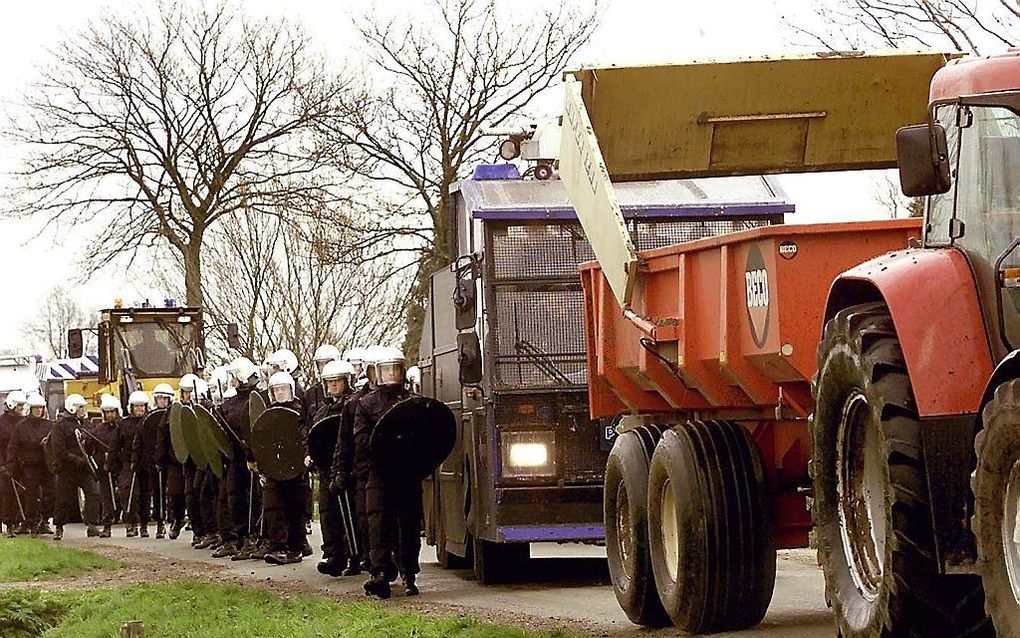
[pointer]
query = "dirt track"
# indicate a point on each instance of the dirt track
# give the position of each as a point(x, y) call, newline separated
point(567, 586)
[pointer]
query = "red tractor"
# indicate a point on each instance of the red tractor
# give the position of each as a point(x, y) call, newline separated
point(708, 353)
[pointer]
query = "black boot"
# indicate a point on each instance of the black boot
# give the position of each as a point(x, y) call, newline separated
point(306, 548)
point(410, 589)
point(45, 529)
point(227, 550)
point(283, 557)
point(92, 531)
point(175, 530)
point(244, 553)
point(144, 531)
point(160, 530)
point(353, 569)
point(330, 567)
point(59, 533)
point(10, 532)
point(132, 531)
point(378, 586)
point(106, 533)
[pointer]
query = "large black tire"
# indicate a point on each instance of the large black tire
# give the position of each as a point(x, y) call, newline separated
point(996, 485)
point(626, 518)
point(870, 505)
point(712, 550)
point(497, 563)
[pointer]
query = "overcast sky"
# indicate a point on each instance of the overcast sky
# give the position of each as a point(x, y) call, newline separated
point(632, 31)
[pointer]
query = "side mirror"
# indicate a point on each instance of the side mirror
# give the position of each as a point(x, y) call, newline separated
point(75, 343)
point(923, 158)
point(469, 356)
point(233, 336)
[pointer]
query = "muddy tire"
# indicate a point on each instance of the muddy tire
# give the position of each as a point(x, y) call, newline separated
point(710, 537)
point(626, 519)
point(996, 486)
point(876, 543)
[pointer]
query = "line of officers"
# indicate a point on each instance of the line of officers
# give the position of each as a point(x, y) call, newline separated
point(125, 469)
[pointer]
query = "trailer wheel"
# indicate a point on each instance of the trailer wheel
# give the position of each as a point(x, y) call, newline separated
point(712, 549)
point(876, 542)
point(626, 518)
point(996, 486)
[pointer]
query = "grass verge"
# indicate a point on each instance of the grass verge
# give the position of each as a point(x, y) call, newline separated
point(188, 609)
point(24, 559)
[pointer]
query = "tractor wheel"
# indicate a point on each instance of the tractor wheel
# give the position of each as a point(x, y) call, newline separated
point(876, 543)
point(996, 485)
point(712, 549)
point(626, 518)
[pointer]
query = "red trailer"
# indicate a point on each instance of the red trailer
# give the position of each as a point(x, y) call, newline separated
point(869, 371)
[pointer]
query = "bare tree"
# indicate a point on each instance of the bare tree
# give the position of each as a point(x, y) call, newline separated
point(970, 26)
point(893, 201)
point(436, 79)
point(154, 128)
point(58, 313)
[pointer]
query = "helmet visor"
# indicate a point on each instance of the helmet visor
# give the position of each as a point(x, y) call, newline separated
point(390, 373)
point(282, 393)
point(337, 386)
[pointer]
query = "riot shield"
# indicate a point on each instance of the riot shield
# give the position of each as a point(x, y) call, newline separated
point(276, 444)
point(177, 442)
point(322, 441)
point(414, 437)
point(189, 428)
point(256, 406)
point(211, 426)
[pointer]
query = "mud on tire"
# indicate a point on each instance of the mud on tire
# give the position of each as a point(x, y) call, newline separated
point(876, 543)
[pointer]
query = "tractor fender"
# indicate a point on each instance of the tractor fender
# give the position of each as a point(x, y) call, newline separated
point(932, 297)
point(1008, 369)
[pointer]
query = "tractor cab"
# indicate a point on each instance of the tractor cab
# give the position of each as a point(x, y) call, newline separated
point(966, 160)
point(139, 348)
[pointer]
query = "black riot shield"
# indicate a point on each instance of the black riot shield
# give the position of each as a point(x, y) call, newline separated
point(276, 444)
point(256, 406)
point(322, 441)
point(213, 428)
point(192, 438)
point(177, 442)
point(414, 437)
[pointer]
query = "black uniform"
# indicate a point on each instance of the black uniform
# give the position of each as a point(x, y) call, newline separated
point(73, 473)
point(394, 505)
point(150, 481)
point(123, 457)
point(334, 545)
point(283, 502)
point(243, 496)
point(10, 515)
point(101, 446)
point(26, 456)
point(173, 477)
point(350, 471)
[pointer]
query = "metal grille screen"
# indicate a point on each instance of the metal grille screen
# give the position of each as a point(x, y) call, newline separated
point(540, 327)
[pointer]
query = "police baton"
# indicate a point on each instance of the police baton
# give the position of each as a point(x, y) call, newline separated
point(21, 508)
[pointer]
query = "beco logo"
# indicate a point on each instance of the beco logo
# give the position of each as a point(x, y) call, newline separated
point(756, 288)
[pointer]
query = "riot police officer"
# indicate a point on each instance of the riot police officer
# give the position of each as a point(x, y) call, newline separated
point(336, 560)
point(393, 504)
point(25, 453)
point(100, 444)
point(240, 530)
point(150, 457)
point(129, 429)
point(284, 501)
point(75, 471)
point(10, 509)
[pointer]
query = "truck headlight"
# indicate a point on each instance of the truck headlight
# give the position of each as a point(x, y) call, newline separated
point(527, 454)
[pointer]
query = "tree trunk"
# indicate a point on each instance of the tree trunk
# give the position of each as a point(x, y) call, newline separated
point(193, 281)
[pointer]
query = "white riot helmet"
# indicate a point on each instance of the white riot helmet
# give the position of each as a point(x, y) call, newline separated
point(15, 398)
point(136, 398)
point(390, 366)
point(414, 376)
point(109, 403)
point(281, 387)
point(284, 360)
point(163, 391)
point(201, 388)
point(73, 402)
point(324, 354)
point(242, 369)
point(36, 400)
point(338, 370)
point(187, 382)
point(219, 381)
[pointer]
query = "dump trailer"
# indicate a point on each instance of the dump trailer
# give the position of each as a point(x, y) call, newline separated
point(867, 371)
point(139, 348)
point(503, 345)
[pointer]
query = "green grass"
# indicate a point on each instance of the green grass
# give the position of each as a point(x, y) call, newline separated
point(188, 609)
point(30, 558)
